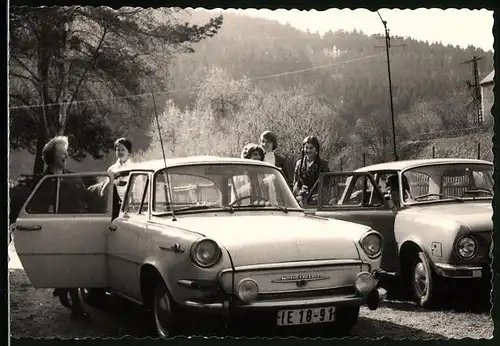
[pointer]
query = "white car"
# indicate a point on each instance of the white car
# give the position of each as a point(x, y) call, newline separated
point(207, 235)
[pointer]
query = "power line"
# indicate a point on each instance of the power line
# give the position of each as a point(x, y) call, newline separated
point(337, 63)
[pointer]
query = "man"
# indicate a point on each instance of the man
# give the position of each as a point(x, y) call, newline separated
point(269, 142)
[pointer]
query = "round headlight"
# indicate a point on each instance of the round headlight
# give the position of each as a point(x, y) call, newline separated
point(466, 247)
point(205, 253)
point(247, 290)
point(372, 244)
point(365, 283)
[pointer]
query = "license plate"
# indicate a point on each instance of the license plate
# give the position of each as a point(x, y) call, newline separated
point(305, 316)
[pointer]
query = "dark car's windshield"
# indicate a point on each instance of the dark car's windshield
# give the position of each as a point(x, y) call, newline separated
point(203, 186)
point(449, 182)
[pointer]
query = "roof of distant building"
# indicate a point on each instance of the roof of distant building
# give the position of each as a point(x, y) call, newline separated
point(488, 79)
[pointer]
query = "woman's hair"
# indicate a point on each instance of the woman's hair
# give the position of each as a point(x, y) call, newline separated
point(125, 142)
point(315, 142)
point(271, 137)
point(49, 149)
point(250, 148)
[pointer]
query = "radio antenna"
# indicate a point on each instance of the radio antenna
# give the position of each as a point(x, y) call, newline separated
point(169, 189)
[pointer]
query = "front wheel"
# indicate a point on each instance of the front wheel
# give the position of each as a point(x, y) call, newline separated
point(164, 312)
point(424, 281)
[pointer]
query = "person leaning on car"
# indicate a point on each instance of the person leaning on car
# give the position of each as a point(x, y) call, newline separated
point(72, 199)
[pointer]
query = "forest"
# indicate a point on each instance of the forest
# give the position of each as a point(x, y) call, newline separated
point(255, 74)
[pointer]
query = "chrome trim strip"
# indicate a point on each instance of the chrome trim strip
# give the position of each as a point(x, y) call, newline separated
point(301, 264)
point(311, 290)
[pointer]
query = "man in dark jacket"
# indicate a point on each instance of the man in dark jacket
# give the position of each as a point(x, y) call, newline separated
point(269, 142)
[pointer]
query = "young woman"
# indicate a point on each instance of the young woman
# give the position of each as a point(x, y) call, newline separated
point(308, 168)
point(269, 143)
point(123, 149)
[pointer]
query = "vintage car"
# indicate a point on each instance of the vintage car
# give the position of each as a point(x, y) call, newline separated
point(435, 216)
point(222, 237)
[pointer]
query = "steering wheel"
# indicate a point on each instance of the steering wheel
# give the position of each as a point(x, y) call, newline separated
point(248, 197)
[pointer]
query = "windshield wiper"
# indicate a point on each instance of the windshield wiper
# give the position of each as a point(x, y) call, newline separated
point(458, 199)
point(258, 206)
point(478, 191)
point(198, 207)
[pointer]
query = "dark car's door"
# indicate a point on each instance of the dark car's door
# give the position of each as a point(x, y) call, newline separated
point(354, 197)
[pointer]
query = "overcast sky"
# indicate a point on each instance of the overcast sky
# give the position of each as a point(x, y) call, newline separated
point(456, 27)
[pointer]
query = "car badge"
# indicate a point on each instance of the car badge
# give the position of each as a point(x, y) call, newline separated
point(300, 280)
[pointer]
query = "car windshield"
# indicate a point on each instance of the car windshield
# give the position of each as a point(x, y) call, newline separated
point(221, 186)
point(457, 182)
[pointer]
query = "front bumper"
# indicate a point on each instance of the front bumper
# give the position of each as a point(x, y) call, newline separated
point(461, 271)
point(372, 301)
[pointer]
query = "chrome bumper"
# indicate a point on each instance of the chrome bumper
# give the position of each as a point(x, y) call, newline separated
point(459, 272)
point(372, 300)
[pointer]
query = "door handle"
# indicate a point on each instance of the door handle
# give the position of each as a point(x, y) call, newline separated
point(112, 228)
point(30, 228)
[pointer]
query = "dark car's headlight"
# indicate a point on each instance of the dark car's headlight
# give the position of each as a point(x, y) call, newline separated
point(466, 247)
point(205, 252)
point(372, 244)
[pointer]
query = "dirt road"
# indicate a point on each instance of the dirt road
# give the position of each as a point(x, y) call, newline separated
point(36, 313)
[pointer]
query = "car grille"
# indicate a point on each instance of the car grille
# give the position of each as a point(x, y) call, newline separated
point(299, 281)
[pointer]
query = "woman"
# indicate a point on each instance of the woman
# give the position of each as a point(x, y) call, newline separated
point(269, 143)
point(55, 156)
point(123, 150)
point(308, 168)
point(253, 151)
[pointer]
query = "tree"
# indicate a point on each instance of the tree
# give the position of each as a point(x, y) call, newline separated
point(72, 70)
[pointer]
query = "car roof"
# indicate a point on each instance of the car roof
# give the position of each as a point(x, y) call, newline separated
point(155, 165)
point(406, 164)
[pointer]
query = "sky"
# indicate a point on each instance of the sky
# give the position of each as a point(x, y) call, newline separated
point(452, 26)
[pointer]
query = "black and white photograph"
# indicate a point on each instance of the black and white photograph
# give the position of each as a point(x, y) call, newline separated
point(250, 172)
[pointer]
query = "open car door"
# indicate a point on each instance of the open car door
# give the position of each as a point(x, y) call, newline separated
point(354, 197)
point(60, 234)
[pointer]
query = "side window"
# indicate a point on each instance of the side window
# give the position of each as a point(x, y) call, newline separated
point(350, 190)
point(44, 198)
point(137, 200)
point(71, 195)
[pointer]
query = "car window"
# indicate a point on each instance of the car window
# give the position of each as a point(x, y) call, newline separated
point(419, 183)
point(349, 190)
point(71, 195)
point(137, 201)
point(221, 185)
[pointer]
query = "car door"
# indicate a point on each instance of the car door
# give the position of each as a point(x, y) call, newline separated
point(122, 247)
point(60, 234)
point(354, 197)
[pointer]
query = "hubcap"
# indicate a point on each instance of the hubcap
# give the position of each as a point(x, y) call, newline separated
point(163, 316)
point(421, 279)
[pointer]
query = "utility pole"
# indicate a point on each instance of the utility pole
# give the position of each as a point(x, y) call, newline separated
point(476, 89)
point(387, 47)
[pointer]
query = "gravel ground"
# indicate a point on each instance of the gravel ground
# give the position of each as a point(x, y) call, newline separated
point(36, 313)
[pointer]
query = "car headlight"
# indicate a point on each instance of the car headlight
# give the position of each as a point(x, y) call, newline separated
point(466, 247)
point(205, 252)
point(247, 290)
point(372, 244)
point(365, 283)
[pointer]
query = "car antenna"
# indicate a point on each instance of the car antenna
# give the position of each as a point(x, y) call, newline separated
point(169, 190)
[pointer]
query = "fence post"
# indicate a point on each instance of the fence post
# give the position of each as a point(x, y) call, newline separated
point(479, 150)
point(364, 159)
point(341, 164)
point(433, 152)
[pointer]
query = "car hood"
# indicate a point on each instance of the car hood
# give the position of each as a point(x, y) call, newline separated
point(260, 239)
point(477, 216)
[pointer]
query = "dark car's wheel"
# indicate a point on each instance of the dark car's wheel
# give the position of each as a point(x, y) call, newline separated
point(164, 312)
point(424, 281)
point(346, 318)
point(95, 297)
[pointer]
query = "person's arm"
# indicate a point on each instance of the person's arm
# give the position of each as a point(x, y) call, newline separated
point(296, 178)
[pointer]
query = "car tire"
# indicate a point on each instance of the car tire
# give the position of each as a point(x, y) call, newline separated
point(424, 281)
point(346, 318)
point(95, 297)
point(164, 312)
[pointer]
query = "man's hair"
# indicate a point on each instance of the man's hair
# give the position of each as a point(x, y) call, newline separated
point(50, 148)
point(127, 143)
point(250, 148)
